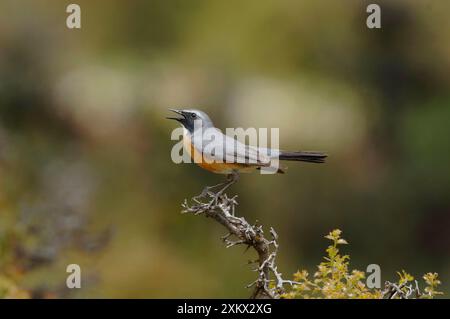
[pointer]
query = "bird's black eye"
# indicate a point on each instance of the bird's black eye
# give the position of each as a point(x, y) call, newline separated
point(194, 116)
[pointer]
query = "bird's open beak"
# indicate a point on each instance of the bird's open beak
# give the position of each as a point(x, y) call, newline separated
point(179, 119)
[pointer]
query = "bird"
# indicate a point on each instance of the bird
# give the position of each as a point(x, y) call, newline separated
point(244, 158)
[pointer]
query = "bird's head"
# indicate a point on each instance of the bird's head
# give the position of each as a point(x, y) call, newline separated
point(192, 118)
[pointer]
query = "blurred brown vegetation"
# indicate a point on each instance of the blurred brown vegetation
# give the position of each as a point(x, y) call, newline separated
point(85, 148)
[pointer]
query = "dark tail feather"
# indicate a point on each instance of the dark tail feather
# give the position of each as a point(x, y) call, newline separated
point(310, 157)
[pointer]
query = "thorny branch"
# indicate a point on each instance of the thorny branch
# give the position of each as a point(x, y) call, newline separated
point(401, 291)
point(220, 207)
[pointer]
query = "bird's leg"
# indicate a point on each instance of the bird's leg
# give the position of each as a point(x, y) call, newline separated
point(231, 179)
point(208, 190)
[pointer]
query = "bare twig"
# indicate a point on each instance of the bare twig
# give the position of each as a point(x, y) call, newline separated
point(401, 291)
point(221, 208)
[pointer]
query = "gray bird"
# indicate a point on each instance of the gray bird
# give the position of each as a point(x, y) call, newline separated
point(230, 156)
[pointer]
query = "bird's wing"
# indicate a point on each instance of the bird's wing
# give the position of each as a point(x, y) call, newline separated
point(243, 153)
point(226, 149)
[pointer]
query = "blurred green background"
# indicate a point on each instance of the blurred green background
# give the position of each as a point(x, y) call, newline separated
point(85, 170)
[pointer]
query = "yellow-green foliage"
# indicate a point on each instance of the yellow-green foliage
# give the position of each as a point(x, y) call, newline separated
point(432, 283)
point(334, 280)
point(9, 290)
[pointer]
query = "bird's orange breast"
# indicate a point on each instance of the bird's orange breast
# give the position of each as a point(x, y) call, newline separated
point(208, 164)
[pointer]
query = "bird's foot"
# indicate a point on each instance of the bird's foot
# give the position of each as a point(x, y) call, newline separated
point(215, 196)
point(208, 190)
point(231, 179)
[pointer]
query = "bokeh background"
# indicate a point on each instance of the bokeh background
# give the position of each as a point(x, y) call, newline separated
point(85, 170)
